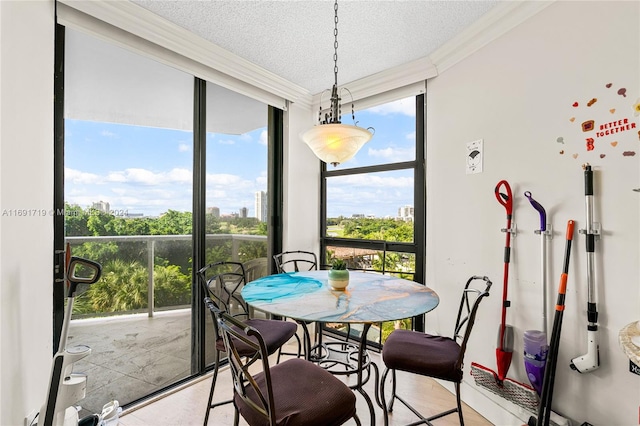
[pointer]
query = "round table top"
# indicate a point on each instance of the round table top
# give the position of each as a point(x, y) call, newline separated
point(369, 297)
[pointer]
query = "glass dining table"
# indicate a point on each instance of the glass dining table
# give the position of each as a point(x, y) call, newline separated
point(370, 298)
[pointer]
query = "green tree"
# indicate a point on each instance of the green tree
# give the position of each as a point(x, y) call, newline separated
point(171, 287)
point(172, 223)
point(212, 224)
point(75, 221)
point(99, 223)
point(122, 287)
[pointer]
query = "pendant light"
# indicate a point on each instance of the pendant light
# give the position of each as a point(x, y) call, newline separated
point(330, 140)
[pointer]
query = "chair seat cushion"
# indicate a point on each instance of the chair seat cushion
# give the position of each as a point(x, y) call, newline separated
point(423, 354)
point(274, 332)
point(304, 394)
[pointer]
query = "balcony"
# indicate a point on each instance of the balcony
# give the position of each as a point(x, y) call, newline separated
point(136, 352)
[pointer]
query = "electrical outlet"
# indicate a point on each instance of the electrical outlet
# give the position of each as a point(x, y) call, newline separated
point(30, 419)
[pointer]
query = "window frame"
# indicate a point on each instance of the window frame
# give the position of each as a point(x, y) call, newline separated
point(417, 247)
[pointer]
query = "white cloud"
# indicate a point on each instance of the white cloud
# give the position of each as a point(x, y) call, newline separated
point(264, 138)
point(147, 177)
point(405, 106)
point(78, 177)
point(226, 142)
point(184, 147)
point(411, 136)
point(374, 181)
point(392, 154)
point(109, 134)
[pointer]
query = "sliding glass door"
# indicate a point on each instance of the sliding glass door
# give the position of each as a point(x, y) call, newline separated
point(128, 155)
point(157, 173)
point(236, 185)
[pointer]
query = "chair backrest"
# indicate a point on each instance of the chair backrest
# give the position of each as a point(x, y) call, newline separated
point(256, 268)
point(244, 382)
point(471, 298)
point(222, 282)
point(295, 261)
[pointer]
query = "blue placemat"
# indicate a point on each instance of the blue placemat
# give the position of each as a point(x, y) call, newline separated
point(278, 286)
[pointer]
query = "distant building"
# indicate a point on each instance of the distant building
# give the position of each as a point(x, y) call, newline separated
point(215, 211)
point(357, 216)
point(406, 213)
point(244, 212)
point(261, 206)
point(102, 206)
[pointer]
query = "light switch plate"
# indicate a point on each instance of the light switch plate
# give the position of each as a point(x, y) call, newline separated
point(475, 156)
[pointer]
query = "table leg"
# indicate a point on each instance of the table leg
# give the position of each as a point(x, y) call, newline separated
point(362, 349)
point(306, 340)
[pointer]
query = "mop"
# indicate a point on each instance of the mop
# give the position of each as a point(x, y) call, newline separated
point(591, 360)
point(504, 351)
point(516, 392)
point(544, 409)
point(535, 341)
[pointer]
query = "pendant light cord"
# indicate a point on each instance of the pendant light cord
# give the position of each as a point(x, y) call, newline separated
point(335, 45)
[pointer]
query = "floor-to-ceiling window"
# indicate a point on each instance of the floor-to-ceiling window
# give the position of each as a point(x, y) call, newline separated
point(236, 185)
point(373, 214)
point(128, 155)
point(128, 195)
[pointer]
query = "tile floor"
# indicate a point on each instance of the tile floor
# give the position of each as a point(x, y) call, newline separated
point(187, 406)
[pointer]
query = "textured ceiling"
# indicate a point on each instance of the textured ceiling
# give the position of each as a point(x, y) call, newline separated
point(294, 39)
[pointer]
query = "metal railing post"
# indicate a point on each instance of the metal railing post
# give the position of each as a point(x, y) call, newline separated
point(151, 245)
point(235, 246)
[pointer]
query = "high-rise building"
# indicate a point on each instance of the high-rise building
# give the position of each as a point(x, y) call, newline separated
point(244, 212)
point(102, 206)
point(406, 213)
point(261, 206)
point(215, 211)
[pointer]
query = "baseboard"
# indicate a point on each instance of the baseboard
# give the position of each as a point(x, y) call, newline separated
point(493, 408)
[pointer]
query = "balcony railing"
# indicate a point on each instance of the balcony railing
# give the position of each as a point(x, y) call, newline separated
point(151, 242)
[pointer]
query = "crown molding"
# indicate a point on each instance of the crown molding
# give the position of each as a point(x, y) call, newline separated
point(387, 80)
point(498, 21)
point(136, 20)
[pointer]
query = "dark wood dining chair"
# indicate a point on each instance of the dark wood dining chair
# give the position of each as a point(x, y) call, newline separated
point(433, 356)
point(221, 282)
point(295, 392)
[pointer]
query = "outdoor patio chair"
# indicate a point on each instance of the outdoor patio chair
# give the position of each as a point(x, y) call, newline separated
point(295, 392)
point(295, 261)
point(433, 356)
point(256, 268)
point(221, 281)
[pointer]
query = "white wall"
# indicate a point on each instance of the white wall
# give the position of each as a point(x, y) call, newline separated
point(517, 94)
point(26, 172)
point(301, 185)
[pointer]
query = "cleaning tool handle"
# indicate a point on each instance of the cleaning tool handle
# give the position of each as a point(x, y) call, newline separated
point(540, 209)
point(506, 199)
point(82, 271)
point(562, 288)
point(588, 180)
point(570, 226)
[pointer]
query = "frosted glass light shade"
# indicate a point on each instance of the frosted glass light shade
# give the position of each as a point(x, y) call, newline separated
point(336, 143)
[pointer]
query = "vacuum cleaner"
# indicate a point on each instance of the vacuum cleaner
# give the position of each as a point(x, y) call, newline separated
point(591, 360)
point(65, 386)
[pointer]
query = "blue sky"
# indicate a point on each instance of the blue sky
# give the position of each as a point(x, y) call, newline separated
point(149, 170)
